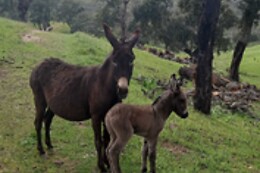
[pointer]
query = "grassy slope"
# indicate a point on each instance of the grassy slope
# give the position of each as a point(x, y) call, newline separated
point(223, 142)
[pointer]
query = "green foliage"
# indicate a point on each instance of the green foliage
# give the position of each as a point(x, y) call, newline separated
point(110, 13)
point(176, 36)
point(151, 16)
point(192, 9)
point(67, 10)
point(222, 142)
point(40, 13)
point(8, 8)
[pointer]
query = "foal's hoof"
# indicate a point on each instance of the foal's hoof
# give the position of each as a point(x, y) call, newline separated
point(144, 170)
point(103, 169)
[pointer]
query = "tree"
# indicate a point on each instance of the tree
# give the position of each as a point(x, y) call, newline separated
point(23, 7)
point(206, 37)
point(40, 13)
point(151, 16)
point(175, 35)
point(110, 12)
point(249, 17)
point(123, 20)
point(116, 13)
point(190, 13)
point(67, 10)
point(8, 8)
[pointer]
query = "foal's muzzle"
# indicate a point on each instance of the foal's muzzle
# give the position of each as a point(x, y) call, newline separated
point(184, 115)
point(122, 87)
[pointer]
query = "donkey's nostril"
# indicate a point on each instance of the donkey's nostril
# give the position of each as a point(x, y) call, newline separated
point(122, 85)
point(122, 92)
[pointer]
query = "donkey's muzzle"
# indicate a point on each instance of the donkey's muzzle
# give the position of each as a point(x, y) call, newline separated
point(122, 89)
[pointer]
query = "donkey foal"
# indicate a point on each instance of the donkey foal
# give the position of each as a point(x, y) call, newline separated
point(124, 120)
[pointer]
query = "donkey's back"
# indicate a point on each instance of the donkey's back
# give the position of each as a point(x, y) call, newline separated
point(57, 85)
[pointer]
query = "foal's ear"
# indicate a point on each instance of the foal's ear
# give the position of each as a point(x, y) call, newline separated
point(173, 82)
point(110, 37)
point(133, 40)
point(179, 82)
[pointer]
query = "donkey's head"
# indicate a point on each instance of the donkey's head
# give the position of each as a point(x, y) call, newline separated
point(122, 59)
point(178, 100)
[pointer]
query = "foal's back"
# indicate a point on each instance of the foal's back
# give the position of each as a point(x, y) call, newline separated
point(139, 118)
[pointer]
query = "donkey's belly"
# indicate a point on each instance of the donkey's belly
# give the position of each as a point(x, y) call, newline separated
point(70, 111)
point(72, 116)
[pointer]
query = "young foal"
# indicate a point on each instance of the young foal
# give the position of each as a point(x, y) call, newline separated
point(124, 120)
point(79, 93)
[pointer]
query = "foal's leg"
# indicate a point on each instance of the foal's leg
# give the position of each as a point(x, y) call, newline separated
point(40, 106)
point(48, 119)
point(114, 153)
point(111, 142)
point(96, 125)
point(123, 133)
point(144, 156)
point(152, 154)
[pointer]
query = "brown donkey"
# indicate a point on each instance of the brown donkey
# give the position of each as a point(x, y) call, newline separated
point(79, 93)
point(124, 120)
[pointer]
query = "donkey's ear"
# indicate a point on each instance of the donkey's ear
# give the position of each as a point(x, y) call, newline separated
point(133, 40)
point(173, 82)
point(110, 37)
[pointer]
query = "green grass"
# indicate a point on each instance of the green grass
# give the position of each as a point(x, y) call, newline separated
point(222, 142)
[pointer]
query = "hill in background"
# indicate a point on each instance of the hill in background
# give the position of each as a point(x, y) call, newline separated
point(222, 142)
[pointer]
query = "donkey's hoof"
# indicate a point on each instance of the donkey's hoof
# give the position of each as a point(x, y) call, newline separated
point(41, 152)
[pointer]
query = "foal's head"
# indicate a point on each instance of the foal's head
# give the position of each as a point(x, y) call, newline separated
point(122, 59)
point(177, 99)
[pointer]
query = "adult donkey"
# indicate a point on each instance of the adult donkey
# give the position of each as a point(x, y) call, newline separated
point(79, 93)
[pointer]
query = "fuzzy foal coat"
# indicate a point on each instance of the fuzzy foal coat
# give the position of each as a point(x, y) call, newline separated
point(124, 120)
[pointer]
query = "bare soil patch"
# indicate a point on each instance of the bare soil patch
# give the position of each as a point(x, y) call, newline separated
point(3, 73)
point(31, 37)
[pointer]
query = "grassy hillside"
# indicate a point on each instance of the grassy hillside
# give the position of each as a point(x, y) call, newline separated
point(223, 142)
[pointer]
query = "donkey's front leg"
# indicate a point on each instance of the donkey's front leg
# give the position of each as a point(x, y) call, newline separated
point(96, 124)
point(144, 156)
point(106, 139)
point(152, 154)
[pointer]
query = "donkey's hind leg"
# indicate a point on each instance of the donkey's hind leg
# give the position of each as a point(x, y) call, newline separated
point(40, 107)
point(48, 119)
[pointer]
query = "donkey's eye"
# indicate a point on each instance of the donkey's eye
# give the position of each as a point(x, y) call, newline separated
point(131, 63)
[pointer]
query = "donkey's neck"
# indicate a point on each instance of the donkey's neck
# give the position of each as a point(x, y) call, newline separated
point(106, 72)
point(163, 108)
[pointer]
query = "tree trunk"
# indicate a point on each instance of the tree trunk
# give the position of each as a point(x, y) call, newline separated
point(206, 37)
point(123, 20)
point(23, 7)
point(237, 57)
point(247, 21)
